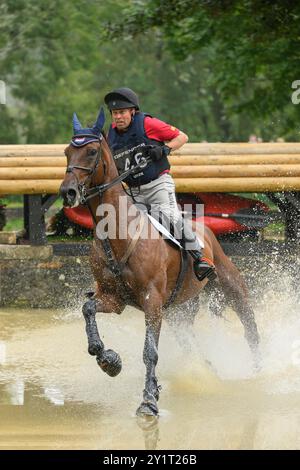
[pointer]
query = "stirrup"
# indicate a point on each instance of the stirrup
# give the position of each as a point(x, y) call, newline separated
point(209, 270)
point(89, 294)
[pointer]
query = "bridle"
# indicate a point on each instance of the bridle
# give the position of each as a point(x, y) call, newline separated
point(88, 193)
point(84, 192)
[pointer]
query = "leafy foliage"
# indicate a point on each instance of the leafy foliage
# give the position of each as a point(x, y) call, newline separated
point(250, 50)
point(217, 70)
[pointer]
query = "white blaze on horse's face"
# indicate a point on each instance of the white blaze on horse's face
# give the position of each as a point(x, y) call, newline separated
point(81, 163)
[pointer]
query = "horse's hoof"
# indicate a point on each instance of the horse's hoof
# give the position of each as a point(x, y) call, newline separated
point(147, 408)
point(110, 362)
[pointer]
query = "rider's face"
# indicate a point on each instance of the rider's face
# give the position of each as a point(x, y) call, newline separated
point(122, 117)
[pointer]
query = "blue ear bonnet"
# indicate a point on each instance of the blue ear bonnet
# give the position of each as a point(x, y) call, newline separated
point(83, 136)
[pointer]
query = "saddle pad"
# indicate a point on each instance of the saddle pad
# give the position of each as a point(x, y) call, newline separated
point(166, 233)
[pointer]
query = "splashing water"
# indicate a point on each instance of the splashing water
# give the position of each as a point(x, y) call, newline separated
point(211, 398)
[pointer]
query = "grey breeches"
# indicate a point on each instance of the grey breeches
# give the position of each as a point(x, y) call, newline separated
point(160, 196)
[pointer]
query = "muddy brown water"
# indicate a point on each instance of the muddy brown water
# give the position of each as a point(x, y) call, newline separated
point(54, 396)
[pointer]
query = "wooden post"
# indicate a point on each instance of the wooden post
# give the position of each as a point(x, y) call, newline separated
point(34, 220)
point(35, 206)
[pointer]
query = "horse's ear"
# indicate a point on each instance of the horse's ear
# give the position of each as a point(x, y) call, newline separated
point(98, 126)
point(76, 124)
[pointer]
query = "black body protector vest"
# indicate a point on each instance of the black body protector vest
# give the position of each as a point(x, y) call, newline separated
point(127, 151)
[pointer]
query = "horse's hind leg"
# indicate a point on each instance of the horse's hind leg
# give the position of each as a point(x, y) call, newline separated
point(109, 361)
point(148, 406)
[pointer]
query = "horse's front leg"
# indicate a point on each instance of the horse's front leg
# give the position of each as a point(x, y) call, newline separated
point(109, 361)
point(150, 357)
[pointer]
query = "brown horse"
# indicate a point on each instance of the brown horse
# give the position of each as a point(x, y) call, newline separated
point(139, 271)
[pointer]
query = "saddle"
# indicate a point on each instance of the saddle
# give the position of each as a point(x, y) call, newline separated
point(169, 235)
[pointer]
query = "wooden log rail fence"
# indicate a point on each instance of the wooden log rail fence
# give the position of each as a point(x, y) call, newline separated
point(36, 171)
point(204, 167)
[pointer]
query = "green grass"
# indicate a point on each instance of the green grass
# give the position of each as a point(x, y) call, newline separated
point(68, 239)
point(15, 202)
point(11, 204)
point(13, 225)
point(12, 201)
point(275, 230)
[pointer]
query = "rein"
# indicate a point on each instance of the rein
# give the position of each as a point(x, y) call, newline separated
point(83, 190)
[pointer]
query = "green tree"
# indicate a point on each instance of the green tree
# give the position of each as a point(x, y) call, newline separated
point(218, 70)
point(252, 49)
point(49, 50)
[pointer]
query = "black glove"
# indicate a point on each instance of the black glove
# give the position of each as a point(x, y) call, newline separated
point(157, 152)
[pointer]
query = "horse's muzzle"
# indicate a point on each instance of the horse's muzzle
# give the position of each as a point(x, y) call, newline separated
point(70, 196)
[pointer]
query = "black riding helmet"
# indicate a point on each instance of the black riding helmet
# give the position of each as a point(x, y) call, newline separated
point(122, 98)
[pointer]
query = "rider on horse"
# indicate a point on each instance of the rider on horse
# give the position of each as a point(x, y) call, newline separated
point(130, 132)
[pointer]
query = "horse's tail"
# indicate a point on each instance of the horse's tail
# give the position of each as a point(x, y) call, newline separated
point(228, 274)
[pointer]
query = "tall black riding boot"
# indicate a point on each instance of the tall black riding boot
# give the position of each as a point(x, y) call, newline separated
point(203, 267)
